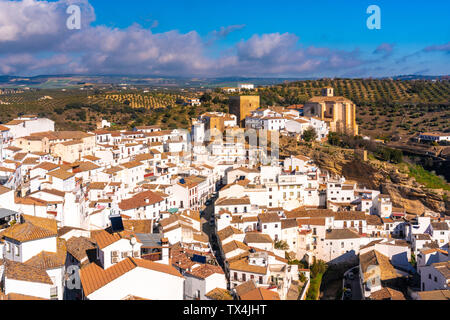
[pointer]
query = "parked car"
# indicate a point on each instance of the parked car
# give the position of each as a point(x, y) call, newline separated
point(212, 221)
point(350, 276)
point(208, 202)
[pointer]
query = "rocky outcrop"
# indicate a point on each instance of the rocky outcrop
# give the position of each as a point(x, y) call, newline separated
point(404, 190)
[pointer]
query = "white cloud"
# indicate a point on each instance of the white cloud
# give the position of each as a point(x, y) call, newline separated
point(34, 39)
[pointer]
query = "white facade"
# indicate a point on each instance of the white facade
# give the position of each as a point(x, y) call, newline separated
point(25, 126)
point(143, 283)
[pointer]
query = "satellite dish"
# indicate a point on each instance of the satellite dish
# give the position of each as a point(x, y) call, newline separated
point(133, 241)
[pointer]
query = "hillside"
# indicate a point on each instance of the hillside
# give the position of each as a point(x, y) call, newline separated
point(81, 110)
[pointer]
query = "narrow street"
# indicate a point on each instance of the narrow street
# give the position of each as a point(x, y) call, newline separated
point(355, 286)
point(211, 230)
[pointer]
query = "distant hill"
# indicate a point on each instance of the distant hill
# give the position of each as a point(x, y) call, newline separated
point(421, 77)
point(74, 81)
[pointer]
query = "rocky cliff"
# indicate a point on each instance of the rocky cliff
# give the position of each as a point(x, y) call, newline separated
point(404, 191)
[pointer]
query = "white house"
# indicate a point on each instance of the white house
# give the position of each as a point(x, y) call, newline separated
point(203, 279)
point(27, 125)
point(435, 276)
point(136, 277)
point(113, 247)
point(434, 136)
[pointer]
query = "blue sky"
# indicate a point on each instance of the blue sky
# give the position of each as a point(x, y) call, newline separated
point(331, 23)
point(247, 38)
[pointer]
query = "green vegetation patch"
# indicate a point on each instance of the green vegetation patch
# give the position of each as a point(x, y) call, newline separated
point(427, 178)
point(313, 291)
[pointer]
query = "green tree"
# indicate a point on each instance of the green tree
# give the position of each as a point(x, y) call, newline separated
point(310, 135)
point(301, 277)
point(281, 245)
point(333, 139)
point(206, 97)
point(318, 267)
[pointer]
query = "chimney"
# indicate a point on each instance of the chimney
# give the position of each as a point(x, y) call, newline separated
point(165, 251)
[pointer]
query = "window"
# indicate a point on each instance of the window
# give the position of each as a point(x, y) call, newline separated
point(17, 251)
point(244, 277)
point(260, 279)
point(265, 226)
point(435, 279)
point(235, 276)
point(429, 276)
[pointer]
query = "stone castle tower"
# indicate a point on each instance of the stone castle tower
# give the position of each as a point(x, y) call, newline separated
point(242, 106)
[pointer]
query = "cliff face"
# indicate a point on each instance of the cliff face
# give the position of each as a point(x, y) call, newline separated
point(404, 190)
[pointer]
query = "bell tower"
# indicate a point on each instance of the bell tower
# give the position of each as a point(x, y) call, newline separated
point(328, 92)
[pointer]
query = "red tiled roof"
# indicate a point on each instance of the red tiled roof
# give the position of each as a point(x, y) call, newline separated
point(93, 277)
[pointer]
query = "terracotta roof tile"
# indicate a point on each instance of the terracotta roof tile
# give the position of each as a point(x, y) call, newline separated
point(219, 294)
point(256, 237)
point(375, 258)
point(50, 260)
point(24, 272)
point(48, 166)
point(104, 238)
point(260, 294)
point(228, 232)
point(93, 277)
point(19, 297)
point(387, 294)
point(270, 217)
point(205, 270)
point(233, 201)
point(33, 228)
point(245, 287)
point(233, 245)
point(338, 234)
point(138, 226)
point(139, 200)
point(78, 247)
point(61, 174)
point(243, 265)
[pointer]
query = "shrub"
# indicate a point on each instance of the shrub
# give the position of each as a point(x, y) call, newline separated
point(281, 245)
